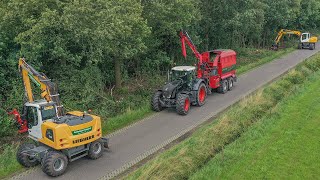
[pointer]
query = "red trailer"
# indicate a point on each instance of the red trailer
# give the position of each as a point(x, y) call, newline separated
point(217, 67)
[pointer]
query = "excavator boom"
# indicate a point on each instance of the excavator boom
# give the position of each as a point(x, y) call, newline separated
point(49, 90)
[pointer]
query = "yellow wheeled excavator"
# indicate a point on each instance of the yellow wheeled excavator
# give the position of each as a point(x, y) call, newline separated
point(305, 41)
point(59, 137)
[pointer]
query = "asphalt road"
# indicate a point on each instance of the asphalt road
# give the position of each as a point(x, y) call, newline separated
point(136, 142)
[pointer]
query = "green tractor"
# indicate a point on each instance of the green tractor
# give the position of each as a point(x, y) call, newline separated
point(183, 90)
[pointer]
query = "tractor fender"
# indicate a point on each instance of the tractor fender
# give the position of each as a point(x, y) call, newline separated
point(197, 83)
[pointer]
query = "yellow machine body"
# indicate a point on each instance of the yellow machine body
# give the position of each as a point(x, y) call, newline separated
point(65, 136)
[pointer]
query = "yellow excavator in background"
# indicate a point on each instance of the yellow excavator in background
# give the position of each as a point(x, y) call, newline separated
point(305, 41)
point(60, 137)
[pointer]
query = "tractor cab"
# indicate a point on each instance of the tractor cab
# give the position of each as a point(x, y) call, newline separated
point(36, 113)
point(184, 73)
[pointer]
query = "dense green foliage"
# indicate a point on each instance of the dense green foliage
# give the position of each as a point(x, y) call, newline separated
point(92, 46)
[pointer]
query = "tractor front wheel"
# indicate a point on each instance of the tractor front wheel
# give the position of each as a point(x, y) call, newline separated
point(24, 159)
point(183, 104)
point(155, 102)
point(95, 150)
point(54, 163)
point(201, 94)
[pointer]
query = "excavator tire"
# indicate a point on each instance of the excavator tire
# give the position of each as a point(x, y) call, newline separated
point(155, 102)
point(54, 163)
point(183, 104)
point(24, 159)
point(312, 46)
point(299, 46)
point(95, 150)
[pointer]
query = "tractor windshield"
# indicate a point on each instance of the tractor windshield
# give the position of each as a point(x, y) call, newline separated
point(184, 75)
point(48, 112)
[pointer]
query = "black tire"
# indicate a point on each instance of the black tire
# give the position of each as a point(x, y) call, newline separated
point(155, 102)
point(312, 46)
point(201, 95)
point(230, 83)
point(24, 159)
point(299, 46)
point(223, 88)
point(95, 150)
point(54, 163)
point(183, 104)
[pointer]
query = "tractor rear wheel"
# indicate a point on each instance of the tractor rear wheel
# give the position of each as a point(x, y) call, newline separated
point(24, 159)
point(223, 88)
point(54, 163)
point(155, 102)
point(183, 104)
point(95, 150)
point(230, 83)
point(201, 95)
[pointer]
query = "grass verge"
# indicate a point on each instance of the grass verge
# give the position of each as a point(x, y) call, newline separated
point(282, 146)
point(181, 161)
point(247, 59)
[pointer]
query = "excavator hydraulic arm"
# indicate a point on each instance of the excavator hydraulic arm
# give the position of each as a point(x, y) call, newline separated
point(281, 33)
point(49, 90)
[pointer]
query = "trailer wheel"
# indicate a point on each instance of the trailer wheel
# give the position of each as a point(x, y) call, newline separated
point(230, 83)
point(201, 95)
point(223, 88)
point(24, 159)
point(155, 102)
point(183, 104)
point(95, 150)
point(54, 163)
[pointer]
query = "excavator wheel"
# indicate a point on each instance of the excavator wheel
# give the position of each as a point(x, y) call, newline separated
point(299, 46)
point(54, 163)
point(24, 159)
point(312, 46)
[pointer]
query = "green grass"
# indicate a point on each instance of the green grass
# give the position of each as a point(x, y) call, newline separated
point(283, 146)
point(181, 161)
point(125, 119)
point(245, 59)
point(8, 164)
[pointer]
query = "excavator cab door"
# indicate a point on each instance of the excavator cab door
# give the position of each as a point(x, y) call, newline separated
point(33, 117)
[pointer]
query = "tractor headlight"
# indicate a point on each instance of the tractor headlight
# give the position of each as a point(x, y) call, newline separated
point(49, 134)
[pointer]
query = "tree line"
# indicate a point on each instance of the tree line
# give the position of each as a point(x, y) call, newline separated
point(89, 45)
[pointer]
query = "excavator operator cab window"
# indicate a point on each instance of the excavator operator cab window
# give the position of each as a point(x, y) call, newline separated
point(32, 116)
point(48, 112)
point(305, 36)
